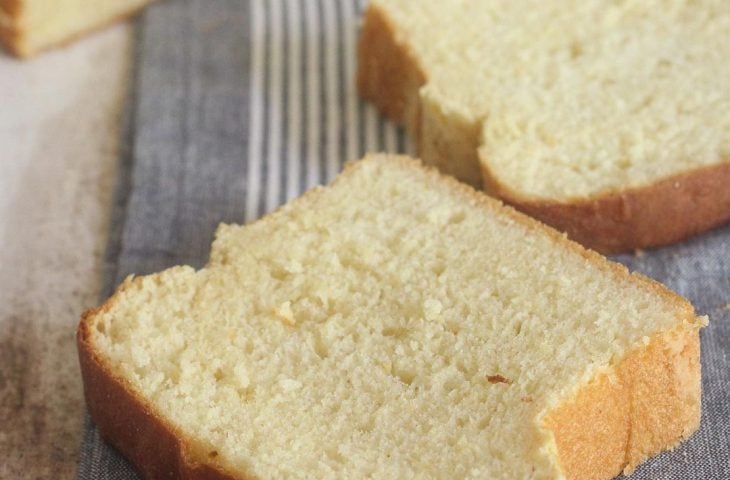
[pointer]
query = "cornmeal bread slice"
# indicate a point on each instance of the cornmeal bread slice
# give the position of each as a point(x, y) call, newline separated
point(396, 324)
point(609, 120)
point(29, 26)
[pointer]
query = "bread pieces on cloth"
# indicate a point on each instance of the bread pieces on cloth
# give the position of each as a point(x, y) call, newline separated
point(607, 120)
point(395, 324)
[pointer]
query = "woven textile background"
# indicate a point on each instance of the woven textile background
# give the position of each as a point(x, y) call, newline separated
point(238, 105)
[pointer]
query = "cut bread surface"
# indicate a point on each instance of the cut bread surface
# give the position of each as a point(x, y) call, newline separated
point(29, 26)
point(563, 102)
point(395, 324)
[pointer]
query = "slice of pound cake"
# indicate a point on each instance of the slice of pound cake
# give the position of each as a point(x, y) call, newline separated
point(609, 120)
point(396, 324)
point(29, 26)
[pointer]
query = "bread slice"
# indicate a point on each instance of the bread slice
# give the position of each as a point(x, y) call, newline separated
point(396, 324)
point(29, 26)
point(607, 120)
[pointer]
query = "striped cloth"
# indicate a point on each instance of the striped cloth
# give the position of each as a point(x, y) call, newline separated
point(240, 105)
point(305, 114)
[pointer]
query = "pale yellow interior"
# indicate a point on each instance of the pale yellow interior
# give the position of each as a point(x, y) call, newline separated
point(578, 97)
point(389, 326)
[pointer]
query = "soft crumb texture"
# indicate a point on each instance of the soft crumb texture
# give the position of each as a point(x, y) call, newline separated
point(573, 98)
point(392, 325)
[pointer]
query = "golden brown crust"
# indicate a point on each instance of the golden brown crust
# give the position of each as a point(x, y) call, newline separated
point(131, 425)
point(659, 214)
point(11, 7)
point(13, 36)
point(388, 73)
point(648, 403)
point(10, 10)
point(10, 41)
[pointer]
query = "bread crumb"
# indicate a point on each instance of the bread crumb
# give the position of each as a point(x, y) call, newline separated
point(284, 312)
point(498, 379)
point(294, 267)
point(432, 309)
point(639, 253)
point(242, 376)
point(289, 384)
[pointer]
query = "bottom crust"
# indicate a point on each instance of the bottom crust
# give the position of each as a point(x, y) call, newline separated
point(666, 212)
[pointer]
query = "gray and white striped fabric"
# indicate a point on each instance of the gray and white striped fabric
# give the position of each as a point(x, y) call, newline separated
point(305, 115)
point(240, 105)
